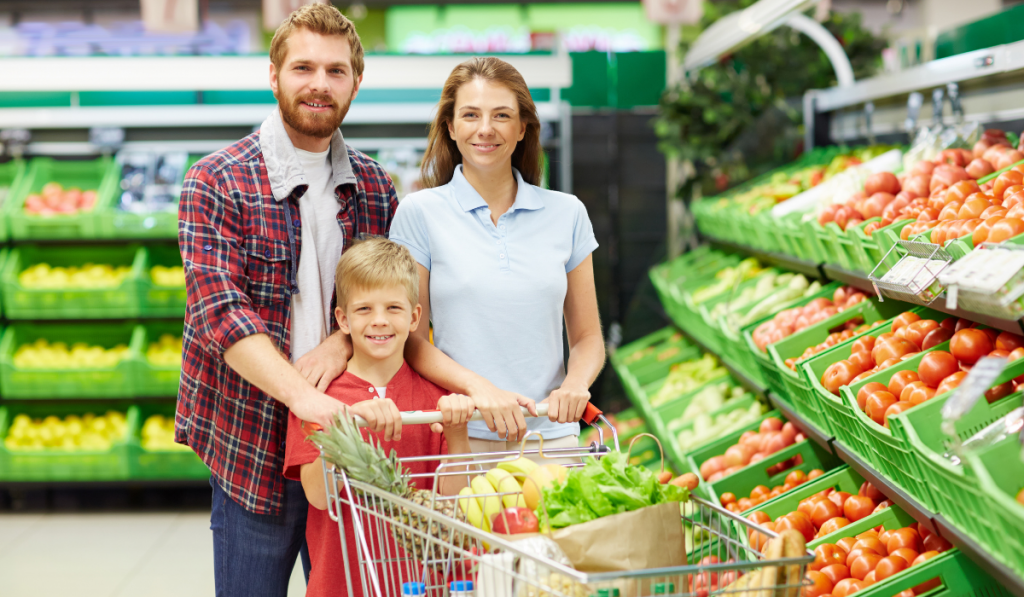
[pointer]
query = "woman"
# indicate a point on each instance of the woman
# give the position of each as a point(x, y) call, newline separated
point(502, 262)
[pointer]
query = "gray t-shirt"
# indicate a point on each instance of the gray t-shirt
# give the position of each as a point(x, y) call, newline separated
point(497, 292)
point(322, 243)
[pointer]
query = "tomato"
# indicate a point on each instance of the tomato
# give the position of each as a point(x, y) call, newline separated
point(864, 564)
point(838, 374)
point(924, 557)
point(846, 543)
point(908, 555)
point(916, 332)
point(814, 474)
point(969, 345)
point(836, 572)
point(797, 521)
point(869, 490)
point(997, 393)
point(807, 504)
point(826, 555)
point(917, 389)
point(869, 534)
point(900, 379)
point(1008, 341)
point(905, 537)
point(847, 587)
point(982, 232)
point(771, 424)
point(858, 507)
point(873, 543)
point(824, 511)
point(758, 517)
point(882, 505)
point(951, 382)
point(839, 498)
point(796, 477)
point(936, 366)
point(936, 337)
point(820, 585)
point(935, 543)
point(745, 504)
point(867, 390)
point(832, 526)
point(863, 343)
point(1005, 229)
point(903, 319)
point(870, 578)
point(727, 498)
point(877, 404)
point(893, 349)
point(856, 553)
point(892, 411)
point(862, 360)
point(758, 539)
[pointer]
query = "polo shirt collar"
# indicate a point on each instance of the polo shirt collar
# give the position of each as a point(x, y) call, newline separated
point(469, 199)
point(284, 171)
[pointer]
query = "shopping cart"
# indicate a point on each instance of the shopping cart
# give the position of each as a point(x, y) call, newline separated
point(448, 550)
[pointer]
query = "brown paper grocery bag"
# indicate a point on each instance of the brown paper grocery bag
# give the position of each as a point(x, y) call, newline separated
point(650, 537)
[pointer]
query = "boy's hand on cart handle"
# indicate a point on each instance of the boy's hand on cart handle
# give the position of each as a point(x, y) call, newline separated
point(567, 404)
point(456, 410)
point(379, 415)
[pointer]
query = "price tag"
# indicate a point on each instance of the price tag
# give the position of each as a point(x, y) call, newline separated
point(951, 296)
point(980, 379)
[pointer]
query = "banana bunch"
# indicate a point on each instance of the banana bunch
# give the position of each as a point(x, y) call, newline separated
point(480, 502)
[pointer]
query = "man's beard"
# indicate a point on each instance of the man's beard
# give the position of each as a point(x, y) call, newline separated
point(313, 124)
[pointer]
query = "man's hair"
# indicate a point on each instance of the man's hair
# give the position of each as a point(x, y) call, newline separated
point(376, 262)
point(322, 19)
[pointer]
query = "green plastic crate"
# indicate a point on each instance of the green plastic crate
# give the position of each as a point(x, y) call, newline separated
point(813, 455)
point(12, 175)
point(768, 373)
point(952, 493)
point(844, 248)
point(958, 575)
point(113, 222)
point(832, 410)
point(842, 478)
point(99, 175)
point(65, 465)
point(791, 383)
point(160, 301)
point(999, 472)
point(152, 380)
point(97, 382)
point(171, 465)
point(118, 302)
point(888, 450)
point(794, 238)
point(667, 415)
point(822, 239)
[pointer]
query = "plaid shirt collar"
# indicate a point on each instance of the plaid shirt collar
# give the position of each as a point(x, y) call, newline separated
point(284, 171)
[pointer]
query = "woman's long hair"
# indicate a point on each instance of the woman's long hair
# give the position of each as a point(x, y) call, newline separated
point(442, 155)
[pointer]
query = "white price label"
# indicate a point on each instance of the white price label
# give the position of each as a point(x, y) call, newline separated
point(980, 379)
point(951, 296)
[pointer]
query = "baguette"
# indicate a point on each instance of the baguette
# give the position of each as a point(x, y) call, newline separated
point(794, 546)
point(738, 587)
point(770, 574)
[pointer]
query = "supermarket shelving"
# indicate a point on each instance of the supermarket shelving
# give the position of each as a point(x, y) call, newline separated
point(934, 522)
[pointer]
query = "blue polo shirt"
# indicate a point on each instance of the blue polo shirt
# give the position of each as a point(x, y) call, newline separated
point(497, 292)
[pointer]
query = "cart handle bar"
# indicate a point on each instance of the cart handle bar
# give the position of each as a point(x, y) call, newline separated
point(426, 417)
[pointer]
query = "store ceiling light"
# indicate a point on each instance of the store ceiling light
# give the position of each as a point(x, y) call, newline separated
point(735, 30)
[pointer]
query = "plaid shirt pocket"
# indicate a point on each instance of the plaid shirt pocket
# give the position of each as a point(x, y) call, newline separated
point(268, 262)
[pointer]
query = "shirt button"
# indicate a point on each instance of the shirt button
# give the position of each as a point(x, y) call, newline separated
point(266, 253)
point(371, 389)
point(208, 248)
point(502, 227)
point(502, 256)
point(296, 222)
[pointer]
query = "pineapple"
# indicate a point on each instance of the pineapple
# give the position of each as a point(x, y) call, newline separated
point(343, 446)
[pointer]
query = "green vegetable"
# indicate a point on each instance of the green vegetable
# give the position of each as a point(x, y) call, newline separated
point(686, 376)
point(604, 487)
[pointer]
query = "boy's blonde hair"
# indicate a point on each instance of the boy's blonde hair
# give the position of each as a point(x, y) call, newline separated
point(322, 19)
point(376, 262)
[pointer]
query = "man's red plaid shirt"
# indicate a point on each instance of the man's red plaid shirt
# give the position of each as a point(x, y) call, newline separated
point(240, 247)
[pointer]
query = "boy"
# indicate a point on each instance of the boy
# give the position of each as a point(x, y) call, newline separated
point(378, 289)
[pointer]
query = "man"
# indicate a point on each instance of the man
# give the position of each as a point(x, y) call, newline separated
point(263, 224)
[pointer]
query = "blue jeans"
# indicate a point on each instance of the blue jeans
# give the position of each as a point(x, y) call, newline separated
point(254, 554)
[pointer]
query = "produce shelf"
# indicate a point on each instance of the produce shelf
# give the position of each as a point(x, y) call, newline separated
point(737, 374)
point(113, 484)
point(855, 279)
point(813, 433)
point(996, 569)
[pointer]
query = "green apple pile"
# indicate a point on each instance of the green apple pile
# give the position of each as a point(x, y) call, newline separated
point(43, 355)
point(158, 434)
point(726, 280)
point(91, 275)
point(73, 432)
point(167, 276)
point(686, 376)
point(166, 352)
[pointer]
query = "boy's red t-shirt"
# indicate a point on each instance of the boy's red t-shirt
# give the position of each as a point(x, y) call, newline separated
point(409, 391)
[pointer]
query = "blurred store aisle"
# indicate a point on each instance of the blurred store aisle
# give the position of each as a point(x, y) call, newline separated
point(124, 554)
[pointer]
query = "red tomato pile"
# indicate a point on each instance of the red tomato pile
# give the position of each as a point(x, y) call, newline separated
point(854, 563)
point(938, 372)
point(821, 514)
point(992, 215)
point(762, 494)
point(55, 199)
point(706, 582)
point(771, 437)
point(791, 321)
